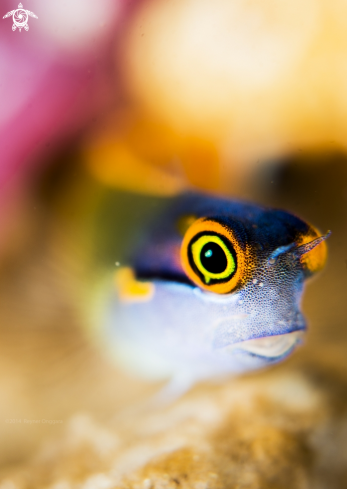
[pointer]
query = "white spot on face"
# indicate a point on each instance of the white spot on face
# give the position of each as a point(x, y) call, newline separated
point(261, 284)
point(255, 281)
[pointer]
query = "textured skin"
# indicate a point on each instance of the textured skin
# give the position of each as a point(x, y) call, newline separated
point(188, 334)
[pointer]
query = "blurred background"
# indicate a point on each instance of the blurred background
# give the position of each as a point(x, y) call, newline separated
point(108, 108)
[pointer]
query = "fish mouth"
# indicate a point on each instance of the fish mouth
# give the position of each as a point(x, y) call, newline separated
point(270, 347)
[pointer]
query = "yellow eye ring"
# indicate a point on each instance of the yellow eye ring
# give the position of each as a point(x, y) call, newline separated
point(212, 256)
point(203, 249)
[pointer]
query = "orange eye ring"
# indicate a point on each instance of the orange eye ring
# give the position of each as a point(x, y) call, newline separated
point(203, 238)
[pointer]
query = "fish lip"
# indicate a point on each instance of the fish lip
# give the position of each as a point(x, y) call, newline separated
point(281, 347)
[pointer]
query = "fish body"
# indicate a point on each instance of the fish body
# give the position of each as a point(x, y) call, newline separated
point(214, 288)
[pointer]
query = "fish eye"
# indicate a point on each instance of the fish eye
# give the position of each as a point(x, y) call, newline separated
point(212, 256)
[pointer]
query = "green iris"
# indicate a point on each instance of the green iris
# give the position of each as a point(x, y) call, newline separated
point(213, 258)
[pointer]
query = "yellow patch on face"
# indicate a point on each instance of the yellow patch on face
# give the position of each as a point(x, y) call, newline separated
point(130, 289)
point(315, 259)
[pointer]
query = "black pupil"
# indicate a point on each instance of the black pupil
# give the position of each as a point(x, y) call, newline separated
point(213, 258)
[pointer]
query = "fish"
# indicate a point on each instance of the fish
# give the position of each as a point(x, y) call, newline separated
point(212, 288)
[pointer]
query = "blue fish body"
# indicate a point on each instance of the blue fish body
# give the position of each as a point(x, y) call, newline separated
point(214, 288)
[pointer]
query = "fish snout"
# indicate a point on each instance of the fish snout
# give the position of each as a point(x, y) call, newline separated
point(258, 336)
